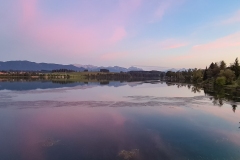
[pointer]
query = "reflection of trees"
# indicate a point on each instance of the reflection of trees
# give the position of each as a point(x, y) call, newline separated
point(170, 84)
point(220, 101)
point(216, 101)
point(104, 82)
point(234, 107)
point(196, 89)
point(180, 85)
point(63, 82)
point(219, 95)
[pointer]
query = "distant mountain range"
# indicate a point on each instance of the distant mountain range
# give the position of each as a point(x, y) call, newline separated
point(32, 66)
point(111, 69)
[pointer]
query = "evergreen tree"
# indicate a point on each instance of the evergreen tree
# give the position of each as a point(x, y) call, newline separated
point(236, 68)
point(216, 70)
point(205, 74)
point(222, 65)
point(212, 65)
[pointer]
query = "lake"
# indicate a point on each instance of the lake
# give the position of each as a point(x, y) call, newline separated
point(148, 120)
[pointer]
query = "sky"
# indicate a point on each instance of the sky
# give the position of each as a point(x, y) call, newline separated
point(150, 34)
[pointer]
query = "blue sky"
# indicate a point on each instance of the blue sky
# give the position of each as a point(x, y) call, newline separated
point(159, 33)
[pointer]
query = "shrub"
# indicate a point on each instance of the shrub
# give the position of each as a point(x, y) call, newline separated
point(221, 81)
point(228, 74)
point(197, 75)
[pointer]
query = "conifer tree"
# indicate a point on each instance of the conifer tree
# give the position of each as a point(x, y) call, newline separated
point(212, 65)
point(222, 65)
point(236, 68)
point(205, 74)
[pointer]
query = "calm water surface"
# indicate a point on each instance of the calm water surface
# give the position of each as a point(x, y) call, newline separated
point(137, 120)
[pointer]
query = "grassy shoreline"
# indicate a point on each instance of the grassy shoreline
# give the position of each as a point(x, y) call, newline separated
point(76, 76)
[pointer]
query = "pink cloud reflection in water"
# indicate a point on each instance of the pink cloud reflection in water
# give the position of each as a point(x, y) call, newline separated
point(91, 127)
point(167, 131)
point(66, 122)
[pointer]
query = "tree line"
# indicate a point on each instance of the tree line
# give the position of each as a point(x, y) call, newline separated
point(216, 73)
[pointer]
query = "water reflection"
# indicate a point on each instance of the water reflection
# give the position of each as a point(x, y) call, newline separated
point(218, 96)
point(221, 95)
point(117, 120)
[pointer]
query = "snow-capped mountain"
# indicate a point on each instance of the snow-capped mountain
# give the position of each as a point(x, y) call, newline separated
point(110, 68)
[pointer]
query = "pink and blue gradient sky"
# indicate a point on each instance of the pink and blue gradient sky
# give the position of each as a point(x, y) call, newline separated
point(164, 33)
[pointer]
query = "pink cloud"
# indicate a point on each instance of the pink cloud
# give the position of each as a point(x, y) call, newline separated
point(233, 19)
point(29, 10)
point(118, 34)
point(225, 42)
point(67, 123)
point(218, 48)
point(64, 34)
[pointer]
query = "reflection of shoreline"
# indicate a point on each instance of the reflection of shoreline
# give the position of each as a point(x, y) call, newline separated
point(25, 85)
point(218, 96)
point(33, 85)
